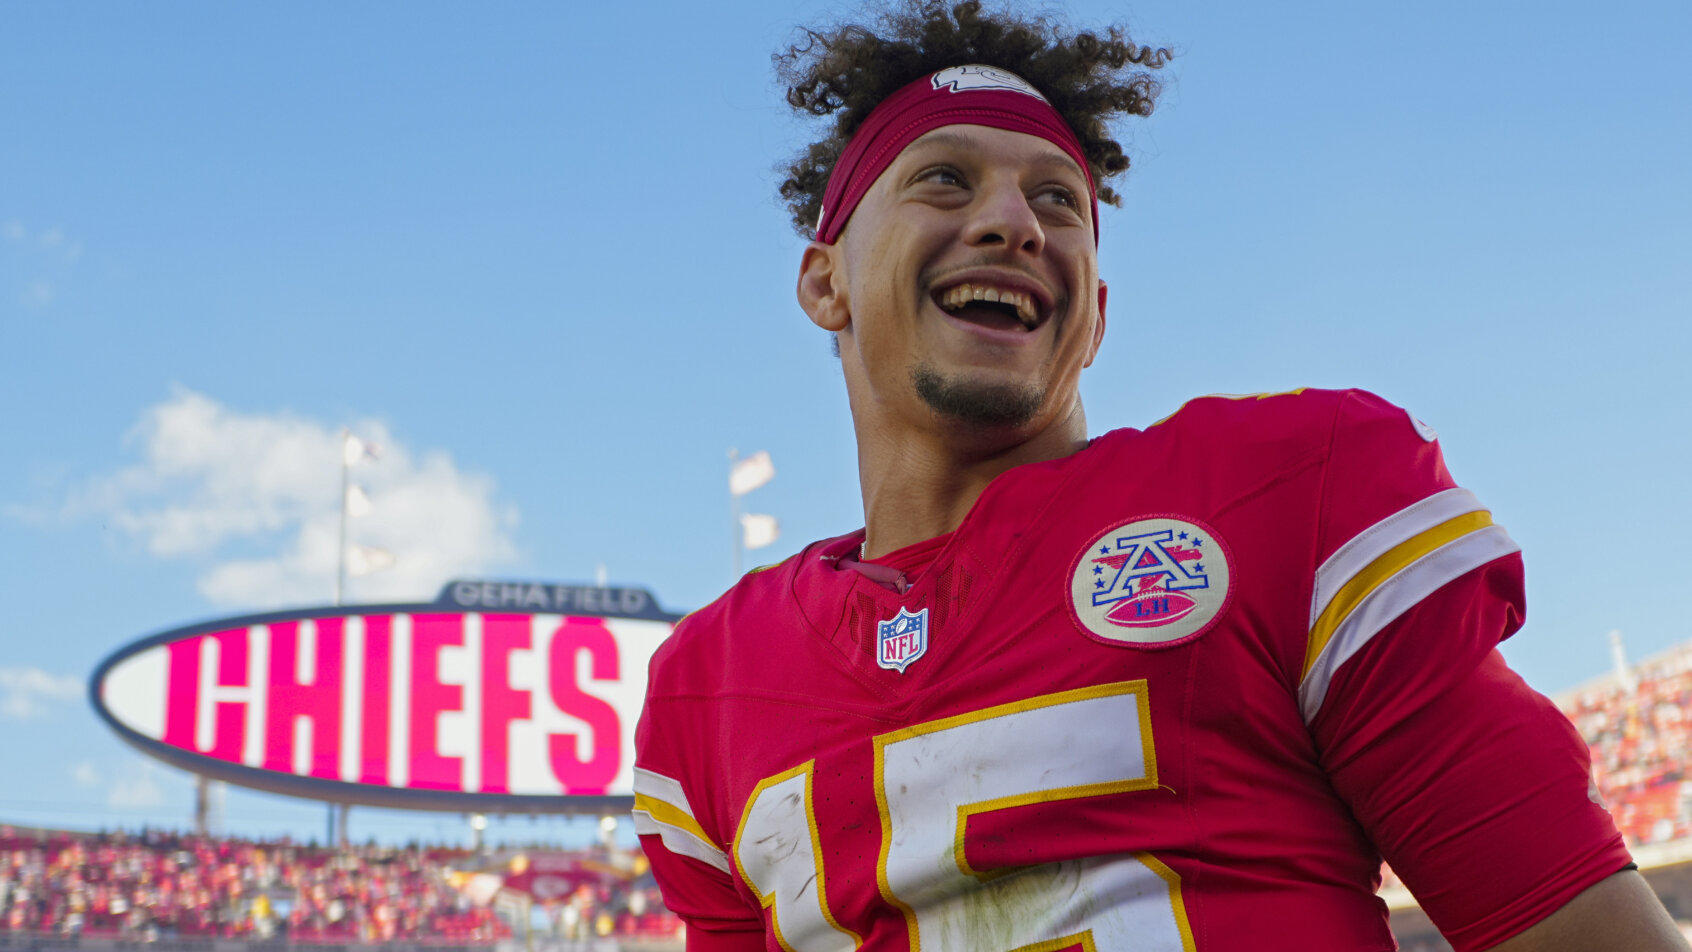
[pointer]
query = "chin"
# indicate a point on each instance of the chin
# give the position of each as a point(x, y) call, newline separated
point(982, 403)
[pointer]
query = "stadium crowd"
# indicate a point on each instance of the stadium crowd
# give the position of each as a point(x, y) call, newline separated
point(1640, 734)
point(614, 910)
point(158, 885)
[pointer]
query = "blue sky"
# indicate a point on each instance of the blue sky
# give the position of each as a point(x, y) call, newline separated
point(534, 251)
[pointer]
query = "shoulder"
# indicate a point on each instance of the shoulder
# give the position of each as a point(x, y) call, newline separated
point(709, 645)
point(1345, 428)
point(730, 649)
point(1304, 414)
point(1371, 468)
point(1235, 446)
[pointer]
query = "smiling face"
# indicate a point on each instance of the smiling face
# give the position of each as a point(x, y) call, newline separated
point(965, 288)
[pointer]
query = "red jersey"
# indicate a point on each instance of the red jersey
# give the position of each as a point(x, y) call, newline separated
point(1182, 690)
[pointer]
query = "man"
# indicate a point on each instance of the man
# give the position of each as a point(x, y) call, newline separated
point(1170, 689)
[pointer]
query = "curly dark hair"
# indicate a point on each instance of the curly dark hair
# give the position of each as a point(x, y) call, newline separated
point(845, 71)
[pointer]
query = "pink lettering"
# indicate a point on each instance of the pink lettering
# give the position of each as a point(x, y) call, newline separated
point(318, 700)
point(501, 703)
point(430, 698)
point(592, 776)
point(378, 669)
point(183, 704)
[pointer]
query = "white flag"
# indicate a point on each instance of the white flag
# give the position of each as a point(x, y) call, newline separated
point(354, 450)
point(750, 473)
point(358, 504)
point(758, 530)
point(365, 559)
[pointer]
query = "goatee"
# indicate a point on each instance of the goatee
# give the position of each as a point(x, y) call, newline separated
point(977, 404)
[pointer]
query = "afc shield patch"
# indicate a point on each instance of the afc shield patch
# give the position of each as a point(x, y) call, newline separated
point(902, 639)
point(1153, 583)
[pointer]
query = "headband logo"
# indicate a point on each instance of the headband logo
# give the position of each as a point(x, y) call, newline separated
point(961, 79)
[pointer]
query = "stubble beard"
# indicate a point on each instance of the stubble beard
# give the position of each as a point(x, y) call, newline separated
point(998, 405)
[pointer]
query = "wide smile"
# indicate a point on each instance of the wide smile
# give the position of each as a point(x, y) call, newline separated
point(995, 303)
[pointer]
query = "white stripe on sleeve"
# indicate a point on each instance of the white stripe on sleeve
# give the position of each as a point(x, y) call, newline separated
point(662, 809)
point(1393, 598)
point(1380, 538)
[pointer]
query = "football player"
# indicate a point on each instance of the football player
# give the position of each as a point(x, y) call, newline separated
point(1178, 688)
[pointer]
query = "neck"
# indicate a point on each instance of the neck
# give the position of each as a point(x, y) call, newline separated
point(922, 485)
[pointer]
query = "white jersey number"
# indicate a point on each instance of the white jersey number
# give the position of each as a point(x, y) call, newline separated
point(776, 850)
point(930, 779)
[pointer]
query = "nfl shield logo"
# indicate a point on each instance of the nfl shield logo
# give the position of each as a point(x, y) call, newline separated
point(901, 640)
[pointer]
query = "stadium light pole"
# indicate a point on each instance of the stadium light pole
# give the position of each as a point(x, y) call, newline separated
point(202, 804)
point(1625, 675)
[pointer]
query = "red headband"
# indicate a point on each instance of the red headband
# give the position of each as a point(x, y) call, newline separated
point(967, 95)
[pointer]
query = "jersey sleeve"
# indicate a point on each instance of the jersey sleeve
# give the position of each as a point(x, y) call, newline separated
point(1474, 787)
point(690, 862)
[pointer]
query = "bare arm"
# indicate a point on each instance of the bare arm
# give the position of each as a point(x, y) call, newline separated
point(1617, 914)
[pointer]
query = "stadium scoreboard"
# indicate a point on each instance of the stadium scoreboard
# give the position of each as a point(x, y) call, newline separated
point(498, 697)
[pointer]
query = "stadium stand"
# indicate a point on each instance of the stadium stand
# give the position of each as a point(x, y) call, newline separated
point(173, 889)
point(1640, 734)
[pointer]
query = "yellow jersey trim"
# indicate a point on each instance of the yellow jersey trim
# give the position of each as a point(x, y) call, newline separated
point(1371, 577)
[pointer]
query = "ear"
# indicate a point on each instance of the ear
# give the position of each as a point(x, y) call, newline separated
point(1098, 327)
point(821, 289)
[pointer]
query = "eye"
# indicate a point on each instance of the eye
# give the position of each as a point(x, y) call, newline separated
point(941, 175)
point(1059, 195)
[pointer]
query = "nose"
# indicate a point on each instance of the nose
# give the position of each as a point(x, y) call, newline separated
point(1003, 216)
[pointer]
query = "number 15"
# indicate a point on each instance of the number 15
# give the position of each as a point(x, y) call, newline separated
point(929, 780)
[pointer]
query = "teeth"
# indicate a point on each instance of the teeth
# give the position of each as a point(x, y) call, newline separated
point(963, 294)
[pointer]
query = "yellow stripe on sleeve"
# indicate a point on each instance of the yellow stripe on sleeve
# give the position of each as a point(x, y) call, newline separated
point(669, 815)
point(1371, 577)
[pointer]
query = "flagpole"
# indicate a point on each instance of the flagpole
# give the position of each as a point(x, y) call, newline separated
point(341, 549)
point(745, 475)
point(340, 586)
point(734, 514)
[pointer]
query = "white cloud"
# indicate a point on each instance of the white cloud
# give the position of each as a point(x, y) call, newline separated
point(86, 774)
point(213, 480)
point(137, 790)
point(26, 692)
